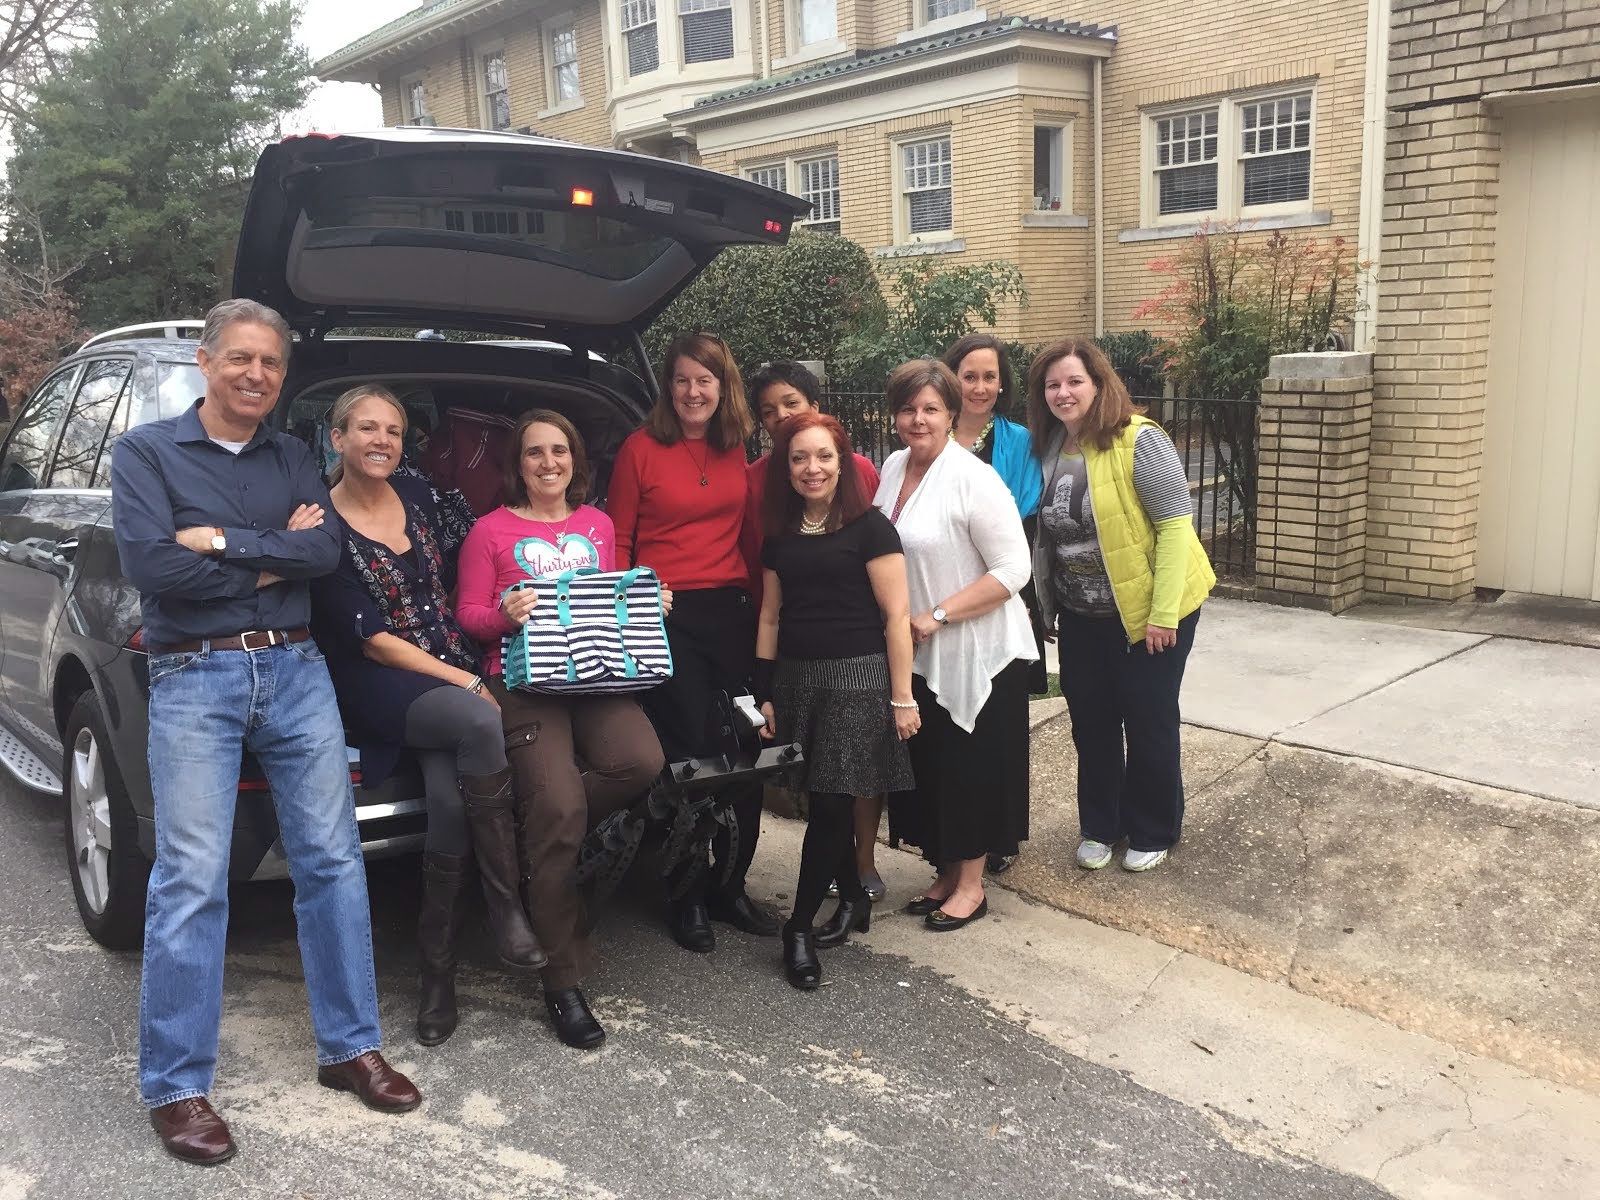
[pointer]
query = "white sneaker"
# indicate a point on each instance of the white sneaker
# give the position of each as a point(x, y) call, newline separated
point(1143, 860)
point(1093, 855)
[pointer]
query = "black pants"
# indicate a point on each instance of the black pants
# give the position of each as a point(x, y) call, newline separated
point(712, 633)
point(1118, 691)
point(829, 853)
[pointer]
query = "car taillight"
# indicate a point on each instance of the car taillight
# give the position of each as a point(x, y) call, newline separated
point(136, 642)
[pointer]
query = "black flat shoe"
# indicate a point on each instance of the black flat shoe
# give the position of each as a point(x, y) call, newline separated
point(941, 922)
point(852, 916)
point(876, 888)
point(744, 914)
point(921, 906)
point(800, 963)
point(575, 1024)
point(690, 924)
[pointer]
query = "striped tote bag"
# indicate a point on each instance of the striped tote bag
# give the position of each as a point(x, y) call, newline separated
point(593, 632)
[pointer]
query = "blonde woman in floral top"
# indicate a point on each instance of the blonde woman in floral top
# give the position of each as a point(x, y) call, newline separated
point(406, 675)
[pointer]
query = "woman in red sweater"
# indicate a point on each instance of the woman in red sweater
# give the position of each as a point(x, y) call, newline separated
point(677, 499)
point(543, 529)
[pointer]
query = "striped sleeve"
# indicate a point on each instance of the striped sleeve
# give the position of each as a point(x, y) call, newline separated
point(1159, 477)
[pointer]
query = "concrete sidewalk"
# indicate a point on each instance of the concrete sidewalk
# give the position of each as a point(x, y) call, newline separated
point(1399, 819)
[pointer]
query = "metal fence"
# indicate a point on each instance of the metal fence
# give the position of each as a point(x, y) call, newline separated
point(1215, 438)
point(1217, 441)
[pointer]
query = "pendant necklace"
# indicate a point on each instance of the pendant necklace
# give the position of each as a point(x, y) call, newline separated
point(700, 463)
point(555, 534)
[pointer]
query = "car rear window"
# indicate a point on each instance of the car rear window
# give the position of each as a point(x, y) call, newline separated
point(555, 233)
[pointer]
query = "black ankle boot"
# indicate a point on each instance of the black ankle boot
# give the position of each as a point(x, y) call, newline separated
point(494, 844)
point(852, 916)
point(800, 963)
point(438, 932)
point(575, 1024)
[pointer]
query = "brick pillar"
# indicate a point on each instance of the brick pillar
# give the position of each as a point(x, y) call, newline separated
point(1311, 493)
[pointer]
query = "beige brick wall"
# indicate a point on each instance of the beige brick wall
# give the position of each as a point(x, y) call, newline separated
point(1440, 190)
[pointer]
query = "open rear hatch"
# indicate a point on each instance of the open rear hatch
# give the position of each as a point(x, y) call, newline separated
point(471, 229)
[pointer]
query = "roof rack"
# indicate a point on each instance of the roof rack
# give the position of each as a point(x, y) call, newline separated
point(175, 330)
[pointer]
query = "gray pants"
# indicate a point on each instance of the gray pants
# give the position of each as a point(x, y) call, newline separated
point(454, 733)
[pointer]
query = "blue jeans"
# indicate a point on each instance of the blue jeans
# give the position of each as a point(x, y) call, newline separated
point(205, 708)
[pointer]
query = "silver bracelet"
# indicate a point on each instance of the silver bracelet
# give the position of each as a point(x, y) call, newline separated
point(904, 704)
point(476, 686)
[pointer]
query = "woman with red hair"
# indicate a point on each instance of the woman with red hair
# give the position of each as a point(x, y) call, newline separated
point(833, 664)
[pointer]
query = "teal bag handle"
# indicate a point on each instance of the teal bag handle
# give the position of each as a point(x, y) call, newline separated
point(629, 578)
point(564, 591)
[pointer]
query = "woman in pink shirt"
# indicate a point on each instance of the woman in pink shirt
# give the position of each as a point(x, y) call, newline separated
point(544, 530)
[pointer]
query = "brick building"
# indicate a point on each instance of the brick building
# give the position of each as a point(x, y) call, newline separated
point(922, 127)
point(1485, 463)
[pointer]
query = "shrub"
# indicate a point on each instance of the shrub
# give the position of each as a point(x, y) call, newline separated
point(1137, 357)
point(793, 301)
point(927, 307)
point(1233, 300)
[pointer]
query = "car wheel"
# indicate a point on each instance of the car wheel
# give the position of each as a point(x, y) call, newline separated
point(109, 872)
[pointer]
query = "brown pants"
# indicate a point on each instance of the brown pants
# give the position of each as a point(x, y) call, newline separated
point(574, 759)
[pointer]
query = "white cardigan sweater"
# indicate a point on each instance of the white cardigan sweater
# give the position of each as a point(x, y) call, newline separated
point(959, 524)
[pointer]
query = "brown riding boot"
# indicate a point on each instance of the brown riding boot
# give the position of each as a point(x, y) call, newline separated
point(493, 823)
point(438, 933)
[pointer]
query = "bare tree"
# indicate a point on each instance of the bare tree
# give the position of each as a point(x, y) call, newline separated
point(33, 36)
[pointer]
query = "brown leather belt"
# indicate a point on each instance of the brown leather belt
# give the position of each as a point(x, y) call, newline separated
point(250, 639)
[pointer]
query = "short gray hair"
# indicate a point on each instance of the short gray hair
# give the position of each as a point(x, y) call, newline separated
point(235, 312)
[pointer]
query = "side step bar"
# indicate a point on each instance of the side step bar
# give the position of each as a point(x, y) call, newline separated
point(27, 767)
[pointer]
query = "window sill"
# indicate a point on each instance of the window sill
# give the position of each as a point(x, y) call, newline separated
point(1161, 233)
point(1054, 220)
point(929, 29)
point(812, 53)
point(556, 110)
point(952, 245)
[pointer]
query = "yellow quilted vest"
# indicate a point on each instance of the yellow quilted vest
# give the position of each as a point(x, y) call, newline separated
point(1128, 538)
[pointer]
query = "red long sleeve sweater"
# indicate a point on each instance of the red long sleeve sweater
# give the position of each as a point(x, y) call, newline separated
point(665, 519)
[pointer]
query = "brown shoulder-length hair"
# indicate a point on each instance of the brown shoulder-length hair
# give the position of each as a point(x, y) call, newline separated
point(782, 506)
point(985, 341)
point(1108, 415)
point(731, 424)
point(908, 379)
point(515, 491)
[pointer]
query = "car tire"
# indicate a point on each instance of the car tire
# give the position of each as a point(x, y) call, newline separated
point(109, 872)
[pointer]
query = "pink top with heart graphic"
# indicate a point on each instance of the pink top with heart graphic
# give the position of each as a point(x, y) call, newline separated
point(504, 549)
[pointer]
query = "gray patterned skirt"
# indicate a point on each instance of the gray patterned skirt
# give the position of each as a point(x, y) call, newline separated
point(838, 710)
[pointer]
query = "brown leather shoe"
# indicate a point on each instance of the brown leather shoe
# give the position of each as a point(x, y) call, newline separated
point(191, 1130)
point(378, 1084)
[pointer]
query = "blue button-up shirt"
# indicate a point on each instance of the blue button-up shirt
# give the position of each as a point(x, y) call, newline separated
point(169, 475)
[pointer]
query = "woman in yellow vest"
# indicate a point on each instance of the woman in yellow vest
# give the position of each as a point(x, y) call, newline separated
point(1121, 576)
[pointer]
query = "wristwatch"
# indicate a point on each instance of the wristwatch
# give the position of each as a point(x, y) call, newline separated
point(939, 615)
point(219, 543)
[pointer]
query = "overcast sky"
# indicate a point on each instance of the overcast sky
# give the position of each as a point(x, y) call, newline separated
point(326, 26)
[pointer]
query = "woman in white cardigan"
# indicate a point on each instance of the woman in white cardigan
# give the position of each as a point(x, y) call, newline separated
point(966, 559)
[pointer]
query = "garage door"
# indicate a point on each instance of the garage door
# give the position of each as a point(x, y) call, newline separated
point(1539, 520)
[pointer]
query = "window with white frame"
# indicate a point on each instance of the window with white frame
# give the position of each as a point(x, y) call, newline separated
point(815, 21)
point(774, 176)
point(639, 36)
point(563, 56)
point(939, 9)
point(707, 30)
point(414, 102)
point(1050, 178)
point(1275, 150)
point(1186, 162)
point(1234, 159)
point(496, 89)
point(819, 183)
point(926, 202)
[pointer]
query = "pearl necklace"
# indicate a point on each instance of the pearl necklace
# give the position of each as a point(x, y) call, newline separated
point(807, 525)
point(982, 437)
